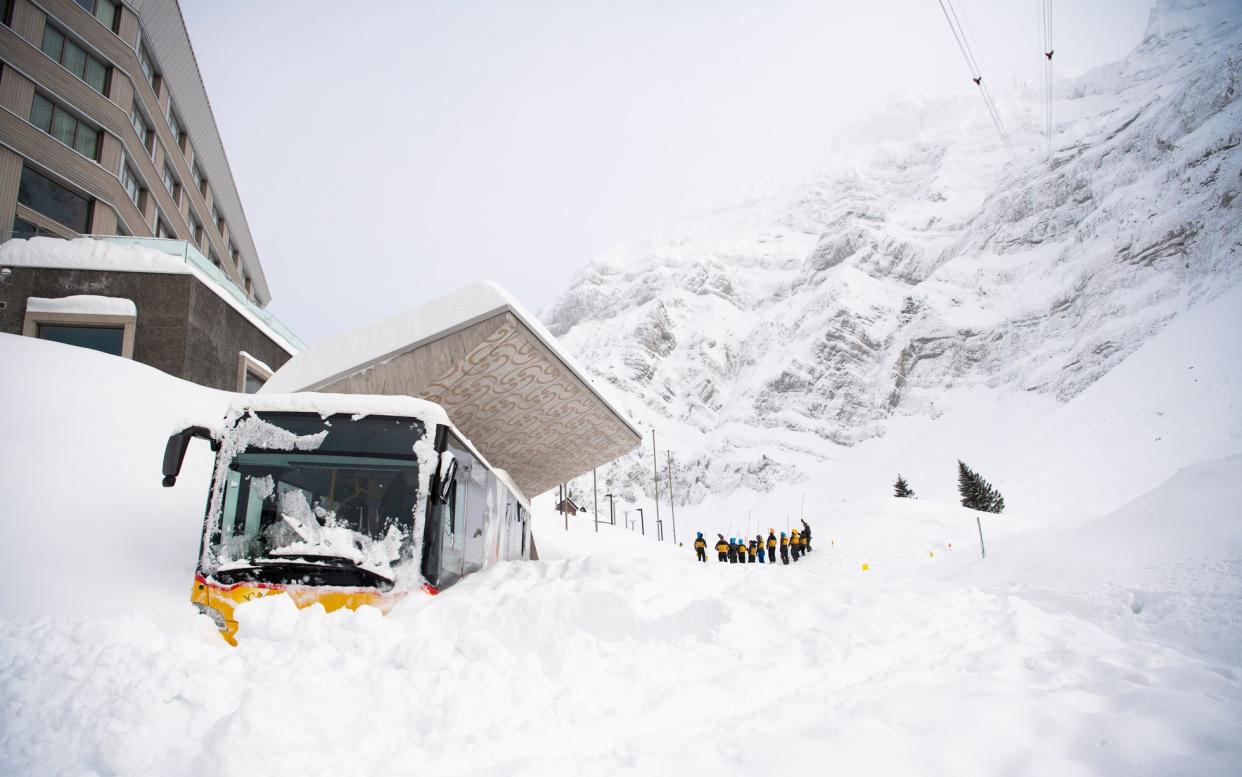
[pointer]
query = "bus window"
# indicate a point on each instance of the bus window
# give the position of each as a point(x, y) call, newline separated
point(478, 509)
point(451, 536)
point(458, 524)
point(524, 529)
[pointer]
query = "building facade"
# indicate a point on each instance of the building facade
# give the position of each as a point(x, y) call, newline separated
point(106, 130)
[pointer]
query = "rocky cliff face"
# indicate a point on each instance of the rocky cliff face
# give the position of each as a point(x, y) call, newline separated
point(927, 261)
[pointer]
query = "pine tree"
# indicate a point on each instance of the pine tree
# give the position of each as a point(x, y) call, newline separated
point(901, 488)
point(977, 493)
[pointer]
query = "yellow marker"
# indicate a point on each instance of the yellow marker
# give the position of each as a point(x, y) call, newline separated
point(866, 567)
point(931, 554)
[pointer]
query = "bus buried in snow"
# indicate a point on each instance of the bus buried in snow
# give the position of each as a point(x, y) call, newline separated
point(344, 500)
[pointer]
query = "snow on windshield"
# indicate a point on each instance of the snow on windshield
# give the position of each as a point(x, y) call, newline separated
point(292, 488)
point(308, 531)
point(249, 431)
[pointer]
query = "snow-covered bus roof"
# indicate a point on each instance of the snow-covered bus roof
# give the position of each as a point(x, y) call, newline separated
point(363, 405)
point(501, 376)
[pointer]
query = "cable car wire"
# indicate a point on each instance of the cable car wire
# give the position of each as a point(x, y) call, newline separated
point(976, 74)
point(1045, 21)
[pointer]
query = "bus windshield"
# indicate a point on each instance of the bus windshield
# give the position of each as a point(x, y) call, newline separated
point(340, 514)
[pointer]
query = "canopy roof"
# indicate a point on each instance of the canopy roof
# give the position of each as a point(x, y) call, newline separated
point(500, 375)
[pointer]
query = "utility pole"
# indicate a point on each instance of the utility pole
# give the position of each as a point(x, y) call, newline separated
point(655, 474)
point(561, 504)
point(642, 521)
point(595, 496)
point(672, 505)
point(982, 549)
point(612, 509)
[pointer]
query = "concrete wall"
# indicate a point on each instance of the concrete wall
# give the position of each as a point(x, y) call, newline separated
point(183, 327)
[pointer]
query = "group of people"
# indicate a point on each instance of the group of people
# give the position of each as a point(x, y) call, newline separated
point(737, 550)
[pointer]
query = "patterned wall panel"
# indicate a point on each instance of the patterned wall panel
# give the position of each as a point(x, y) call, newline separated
point(527, 412)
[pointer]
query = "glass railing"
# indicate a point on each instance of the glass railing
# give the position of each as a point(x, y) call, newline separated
point(190, 254)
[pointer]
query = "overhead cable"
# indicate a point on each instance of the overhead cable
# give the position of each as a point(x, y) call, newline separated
point(1045, 22)
point(954, 19)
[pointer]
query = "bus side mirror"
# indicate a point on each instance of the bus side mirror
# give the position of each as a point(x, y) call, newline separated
point(174, 452)
point(448, 470)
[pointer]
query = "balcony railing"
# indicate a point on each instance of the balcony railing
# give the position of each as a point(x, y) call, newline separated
point(190, 254)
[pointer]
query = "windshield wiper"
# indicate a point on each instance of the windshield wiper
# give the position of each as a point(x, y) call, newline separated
point(343, 572)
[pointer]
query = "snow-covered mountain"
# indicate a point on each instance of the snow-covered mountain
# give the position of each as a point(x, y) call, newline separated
point(767, 333)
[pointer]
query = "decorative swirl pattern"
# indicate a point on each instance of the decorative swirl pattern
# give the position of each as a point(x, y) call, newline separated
point(528, 413)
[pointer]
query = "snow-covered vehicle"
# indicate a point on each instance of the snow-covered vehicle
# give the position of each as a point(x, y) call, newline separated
point(344, 500)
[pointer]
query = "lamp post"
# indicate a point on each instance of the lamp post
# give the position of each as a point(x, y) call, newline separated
point(641, 521)
point(659, 530)
point(655, 474)
point(672, 507)
point(612, 509)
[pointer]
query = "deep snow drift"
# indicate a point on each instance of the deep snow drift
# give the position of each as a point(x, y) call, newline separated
point(1102, 646)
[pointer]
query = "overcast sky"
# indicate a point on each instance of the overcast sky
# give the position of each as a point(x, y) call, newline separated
point(387, 152)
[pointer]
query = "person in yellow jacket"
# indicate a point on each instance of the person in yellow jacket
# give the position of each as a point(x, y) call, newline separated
point(751, 547)
point(771, 546)
point(805, 539)
point(795, 545)
point(784, 549)
point(700, 548)
point(722, 547)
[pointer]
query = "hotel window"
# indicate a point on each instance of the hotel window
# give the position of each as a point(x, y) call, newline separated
point(143, 129)
point(108, 339)
point(217, 218)
point(251, 373)
point(148, 67)
point(132, 187)
point(65, 127)
point(103, 10)
point(75, 59)
point(235, 254)
point(170, 183)
point(197, 173)
point(43, 195)
point(174, 125)
point(24, 230)
point(197, 229)
point(162, 230)
point(211, 254)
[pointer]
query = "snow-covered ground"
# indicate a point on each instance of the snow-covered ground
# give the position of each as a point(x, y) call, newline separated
point(1098, 645)
point(1074, 337)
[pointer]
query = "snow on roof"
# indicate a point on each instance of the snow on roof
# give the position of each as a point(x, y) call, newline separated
point(349, 352)
point(85, 253)
point(85, 304)
point(363, 405)
point(336, 404)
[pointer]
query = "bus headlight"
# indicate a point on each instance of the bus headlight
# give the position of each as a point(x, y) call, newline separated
point(212, 613)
